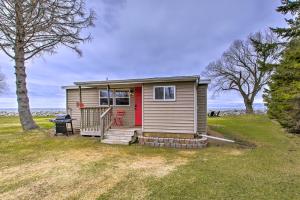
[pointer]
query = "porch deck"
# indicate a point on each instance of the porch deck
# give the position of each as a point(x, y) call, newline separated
point(98, 121)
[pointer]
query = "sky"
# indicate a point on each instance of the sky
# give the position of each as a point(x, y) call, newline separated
point(144, 38)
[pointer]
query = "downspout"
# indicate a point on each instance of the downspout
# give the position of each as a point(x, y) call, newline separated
point(80, 96)
point(80, 110)
point(217, 138)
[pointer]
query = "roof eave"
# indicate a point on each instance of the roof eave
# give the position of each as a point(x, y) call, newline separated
point(139, 81)
point(204, 81)
point(70, 87)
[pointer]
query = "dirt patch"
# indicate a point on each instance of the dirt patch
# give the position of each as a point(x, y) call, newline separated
point(187, 153)
point(156, 166)
point(235, 152)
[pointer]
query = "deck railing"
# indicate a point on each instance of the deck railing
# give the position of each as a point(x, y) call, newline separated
point(91, 118)
point(106, 121)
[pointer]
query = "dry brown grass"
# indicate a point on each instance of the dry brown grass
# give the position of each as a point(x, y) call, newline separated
point(36, 166)
point(81, 174)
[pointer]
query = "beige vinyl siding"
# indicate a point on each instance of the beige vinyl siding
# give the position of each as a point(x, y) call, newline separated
point(73, 97)
point(202, 108)
point(90, 98)
point(169, 116)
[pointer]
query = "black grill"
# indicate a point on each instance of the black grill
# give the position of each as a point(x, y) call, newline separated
point(62, 122)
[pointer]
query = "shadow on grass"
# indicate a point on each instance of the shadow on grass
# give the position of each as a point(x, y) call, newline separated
point(239, 143)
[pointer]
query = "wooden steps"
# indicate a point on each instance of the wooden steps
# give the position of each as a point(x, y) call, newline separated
point(120, 136)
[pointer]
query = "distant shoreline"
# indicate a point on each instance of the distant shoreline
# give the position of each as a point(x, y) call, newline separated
point(225, 109)
point(211, 107)
point(33, 109)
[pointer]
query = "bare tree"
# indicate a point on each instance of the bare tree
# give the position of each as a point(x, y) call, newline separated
point(2, 82)
point(245, 67)
point(31, 27)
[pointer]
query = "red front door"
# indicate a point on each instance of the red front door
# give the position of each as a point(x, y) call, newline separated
point(138, 106)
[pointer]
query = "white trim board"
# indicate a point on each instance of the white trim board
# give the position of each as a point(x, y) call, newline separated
point(142, 107)
point(195, 108)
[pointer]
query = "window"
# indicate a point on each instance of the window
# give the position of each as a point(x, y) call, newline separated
point(170, 93)
point(122, 98)
point(104, 97)
point(117, 97)
point(159, 93)
point(164, 93)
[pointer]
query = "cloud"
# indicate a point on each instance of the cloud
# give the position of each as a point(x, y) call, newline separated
point(137, 38)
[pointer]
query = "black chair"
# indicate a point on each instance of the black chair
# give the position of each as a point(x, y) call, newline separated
point(214, 114)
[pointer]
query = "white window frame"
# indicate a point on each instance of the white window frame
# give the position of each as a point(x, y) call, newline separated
point(99, 96)
point(164, 99)
point(121, 90)
point(114, 97)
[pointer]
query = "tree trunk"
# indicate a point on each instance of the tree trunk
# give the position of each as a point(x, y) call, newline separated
point(22, 96)
point(249, 106)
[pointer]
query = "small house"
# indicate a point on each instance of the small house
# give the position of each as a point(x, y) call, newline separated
point(164, 106)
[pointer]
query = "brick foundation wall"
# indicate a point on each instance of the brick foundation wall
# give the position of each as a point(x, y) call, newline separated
point(195, 143)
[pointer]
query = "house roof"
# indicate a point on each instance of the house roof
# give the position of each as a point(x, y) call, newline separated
point(195, 78)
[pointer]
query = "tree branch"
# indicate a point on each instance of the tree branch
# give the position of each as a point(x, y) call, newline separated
point(239, 68)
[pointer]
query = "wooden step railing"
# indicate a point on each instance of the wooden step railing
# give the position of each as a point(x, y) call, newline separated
point(106, 121)
point(90, 120)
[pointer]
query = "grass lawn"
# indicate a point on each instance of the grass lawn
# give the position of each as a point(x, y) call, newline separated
point(36, 165)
